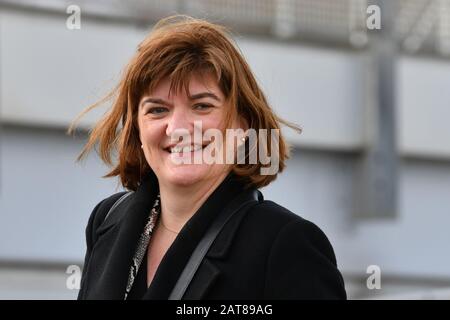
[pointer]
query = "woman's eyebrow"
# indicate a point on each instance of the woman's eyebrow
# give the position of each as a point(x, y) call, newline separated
point(204, 95)
point(192, 97)
point(155, 100)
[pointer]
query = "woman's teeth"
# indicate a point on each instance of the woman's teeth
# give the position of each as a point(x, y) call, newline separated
point(185, 149)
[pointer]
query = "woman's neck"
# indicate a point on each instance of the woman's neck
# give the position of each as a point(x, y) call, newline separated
point(180, 203)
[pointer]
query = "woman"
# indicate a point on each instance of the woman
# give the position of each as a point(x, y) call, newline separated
point(197, 230)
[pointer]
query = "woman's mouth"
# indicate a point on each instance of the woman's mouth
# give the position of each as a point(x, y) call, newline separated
point(180, 150)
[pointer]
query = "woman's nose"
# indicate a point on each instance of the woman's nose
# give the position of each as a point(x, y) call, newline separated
point(178, 122)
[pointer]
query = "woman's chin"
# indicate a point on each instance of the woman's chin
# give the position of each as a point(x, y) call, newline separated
point(185, 175)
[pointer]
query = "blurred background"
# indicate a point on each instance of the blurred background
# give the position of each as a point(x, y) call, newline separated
point(368, 81)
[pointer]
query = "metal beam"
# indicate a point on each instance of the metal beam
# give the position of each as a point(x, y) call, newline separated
point(377, 182)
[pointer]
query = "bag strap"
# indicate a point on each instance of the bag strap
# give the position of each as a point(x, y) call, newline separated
point(116, 204)
point(205, 243)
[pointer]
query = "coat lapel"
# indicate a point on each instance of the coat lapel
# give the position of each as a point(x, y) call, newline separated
point(121, 235)
point(113, 278)
point(205, 278)
point(181, 249)
point(208, 272)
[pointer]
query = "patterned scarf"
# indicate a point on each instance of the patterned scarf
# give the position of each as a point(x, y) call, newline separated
point(143, 244)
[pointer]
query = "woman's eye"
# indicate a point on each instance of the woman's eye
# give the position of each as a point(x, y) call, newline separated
point(202, 106)
point(156, 110)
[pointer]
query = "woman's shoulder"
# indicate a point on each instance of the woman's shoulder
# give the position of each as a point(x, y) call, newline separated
point(285, 226)
point(102, 209)
point(301, 261)
point(274, 215)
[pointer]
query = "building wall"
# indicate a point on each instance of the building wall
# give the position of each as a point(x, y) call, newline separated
point(48, 74)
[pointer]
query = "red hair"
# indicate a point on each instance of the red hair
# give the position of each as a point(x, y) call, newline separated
point(177, 47)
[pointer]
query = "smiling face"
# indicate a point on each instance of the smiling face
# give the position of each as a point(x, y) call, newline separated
point(162, 117)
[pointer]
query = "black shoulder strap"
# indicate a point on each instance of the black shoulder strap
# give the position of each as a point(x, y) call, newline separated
point(245, 201)
point(116, 204)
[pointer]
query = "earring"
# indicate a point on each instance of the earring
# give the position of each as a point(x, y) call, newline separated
point(245, 136)
point(142, 146)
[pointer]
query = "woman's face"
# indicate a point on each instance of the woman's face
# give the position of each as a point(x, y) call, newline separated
point(163, 118)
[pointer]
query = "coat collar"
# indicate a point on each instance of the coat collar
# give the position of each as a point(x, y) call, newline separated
point(181, 249)
point(129, 229)
point(121, 232)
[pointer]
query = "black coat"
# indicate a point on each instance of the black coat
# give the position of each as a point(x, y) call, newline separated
point(266, 253)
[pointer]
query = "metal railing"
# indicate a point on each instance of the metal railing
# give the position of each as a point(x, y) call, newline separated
point(419, 25)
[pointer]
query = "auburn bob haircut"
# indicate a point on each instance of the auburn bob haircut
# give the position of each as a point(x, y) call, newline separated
point(177, 47)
